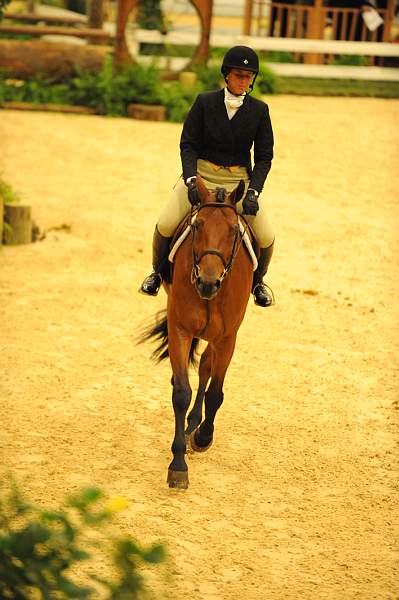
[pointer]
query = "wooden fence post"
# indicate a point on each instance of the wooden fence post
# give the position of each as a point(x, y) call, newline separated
point(389, 15)
point(247, 25)
point(314, 31)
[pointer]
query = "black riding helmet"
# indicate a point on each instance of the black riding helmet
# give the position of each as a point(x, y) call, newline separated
point(241, 57)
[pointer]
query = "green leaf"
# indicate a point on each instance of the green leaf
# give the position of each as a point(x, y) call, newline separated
point(86, 497)
point(155, 555)
point(79, 555)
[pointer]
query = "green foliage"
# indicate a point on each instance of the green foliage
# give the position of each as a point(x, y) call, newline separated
point(3, 4)
point(150, 15)
point(218, 53)
point(267, 81)
point(57, 3)
point(16, 36)
point(338, 87)
point(169, 50)
point(7, 194)
point(78, 6)
point(210, 76)
point(109, 91)
point(178, 101)
point(279, 57)
point(40, 549)
point(37, 91)
point(350, 60)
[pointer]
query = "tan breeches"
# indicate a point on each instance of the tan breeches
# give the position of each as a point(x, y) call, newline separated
point(178, 204)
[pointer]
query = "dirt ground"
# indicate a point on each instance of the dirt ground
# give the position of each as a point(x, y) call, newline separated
point(298, 497)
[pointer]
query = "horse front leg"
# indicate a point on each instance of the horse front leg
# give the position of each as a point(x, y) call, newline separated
point(179, 346)
point(195, 415)
point(222, 353)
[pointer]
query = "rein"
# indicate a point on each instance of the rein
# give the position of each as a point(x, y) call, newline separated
point(227, 264)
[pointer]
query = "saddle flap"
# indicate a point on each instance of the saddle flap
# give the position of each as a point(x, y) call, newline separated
point(182, 231)
point(250, 241)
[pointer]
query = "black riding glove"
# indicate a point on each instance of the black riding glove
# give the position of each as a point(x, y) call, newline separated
point(193, 193)
point(250, 203)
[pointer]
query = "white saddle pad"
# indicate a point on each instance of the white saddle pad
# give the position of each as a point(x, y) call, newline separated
point(244, 234)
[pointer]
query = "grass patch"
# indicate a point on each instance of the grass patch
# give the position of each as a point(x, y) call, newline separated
point(338, 87)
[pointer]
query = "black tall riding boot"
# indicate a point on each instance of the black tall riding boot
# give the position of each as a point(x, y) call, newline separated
point(160, 250)
point(263, 295)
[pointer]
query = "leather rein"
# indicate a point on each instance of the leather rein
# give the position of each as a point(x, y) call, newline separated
point(227, 264)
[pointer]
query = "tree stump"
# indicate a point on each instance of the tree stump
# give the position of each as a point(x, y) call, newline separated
point(188, 80)
point(19, 221)
point(146, 112)
point(1, 220)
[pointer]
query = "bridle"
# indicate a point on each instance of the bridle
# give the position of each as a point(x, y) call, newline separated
point(227, 264)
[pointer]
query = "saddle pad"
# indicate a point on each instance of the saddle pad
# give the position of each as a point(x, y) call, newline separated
point(244, 234)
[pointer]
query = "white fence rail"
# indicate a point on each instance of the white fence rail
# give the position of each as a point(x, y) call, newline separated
point(294, 45)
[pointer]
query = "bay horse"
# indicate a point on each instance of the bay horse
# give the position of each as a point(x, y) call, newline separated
point(207, 300)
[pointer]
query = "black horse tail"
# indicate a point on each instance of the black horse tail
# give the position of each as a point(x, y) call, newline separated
point(159, 332)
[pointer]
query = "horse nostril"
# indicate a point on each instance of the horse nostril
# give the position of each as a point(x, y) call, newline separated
point(217, 284)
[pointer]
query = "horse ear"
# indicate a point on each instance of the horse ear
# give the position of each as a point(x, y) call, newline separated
point(238, 192)
point(203, 192)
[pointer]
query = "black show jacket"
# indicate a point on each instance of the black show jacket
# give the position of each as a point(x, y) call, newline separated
point(209, 134)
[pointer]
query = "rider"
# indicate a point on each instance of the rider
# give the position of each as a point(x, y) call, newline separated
point(216, 141)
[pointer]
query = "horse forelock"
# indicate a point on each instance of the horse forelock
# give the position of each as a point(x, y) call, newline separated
point(218, 196)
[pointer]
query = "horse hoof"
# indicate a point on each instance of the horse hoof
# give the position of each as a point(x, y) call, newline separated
point(178, 479)
point(195, 447)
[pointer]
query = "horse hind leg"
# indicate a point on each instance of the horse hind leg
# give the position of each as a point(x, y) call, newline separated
point(201, 439)
point(195, 416)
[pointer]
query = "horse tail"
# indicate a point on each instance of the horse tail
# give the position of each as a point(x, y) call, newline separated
point(159, 332)
point(193, 354)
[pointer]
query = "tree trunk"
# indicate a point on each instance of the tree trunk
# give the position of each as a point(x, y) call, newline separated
point(26, 59)
point(95, 15)
point(31, 6)
point(19, 221)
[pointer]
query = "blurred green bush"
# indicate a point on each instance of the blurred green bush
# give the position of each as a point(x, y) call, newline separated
point(3, 4)
point(7, 194)
point(40, 549)
point(150, 15)
point(350, 60)
point(111, 90)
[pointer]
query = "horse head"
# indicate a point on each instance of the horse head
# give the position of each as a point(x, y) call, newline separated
point(216, 238)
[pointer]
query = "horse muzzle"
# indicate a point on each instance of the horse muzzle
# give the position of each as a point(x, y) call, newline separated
point(207, 289)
